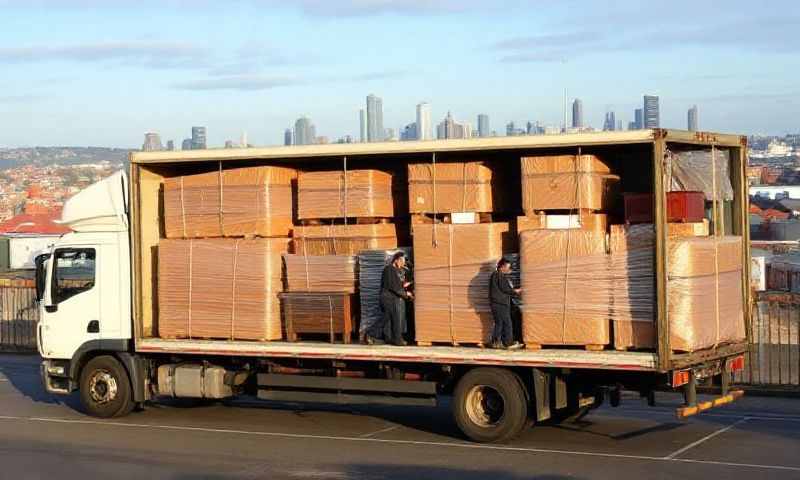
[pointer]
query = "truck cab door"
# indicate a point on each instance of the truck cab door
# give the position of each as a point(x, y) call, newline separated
point(71, 311)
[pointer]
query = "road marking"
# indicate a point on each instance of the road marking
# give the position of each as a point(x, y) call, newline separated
point(700, 416)
point(722, 430)
point(475, 446)
point(388, 429)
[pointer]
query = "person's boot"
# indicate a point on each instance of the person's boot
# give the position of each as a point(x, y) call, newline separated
point(514, 346)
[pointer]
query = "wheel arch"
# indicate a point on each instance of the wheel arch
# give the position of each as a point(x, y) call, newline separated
point(134, 365)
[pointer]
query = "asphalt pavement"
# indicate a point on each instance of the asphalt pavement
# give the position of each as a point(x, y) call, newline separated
point(47, 437)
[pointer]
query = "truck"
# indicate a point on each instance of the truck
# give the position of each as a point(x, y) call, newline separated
point(98, 306)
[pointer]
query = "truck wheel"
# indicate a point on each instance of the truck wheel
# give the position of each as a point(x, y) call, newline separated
point(489, 405)
point(105, 388)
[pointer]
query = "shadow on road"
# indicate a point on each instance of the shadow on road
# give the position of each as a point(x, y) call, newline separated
point(22, 372)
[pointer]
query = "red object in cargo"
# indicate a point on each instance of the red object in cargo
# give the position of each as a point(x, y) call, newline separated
point(681, 207)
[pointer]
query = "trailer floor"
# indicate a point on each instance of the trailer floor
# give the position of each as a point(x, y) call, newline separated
point(555, 357)
point(45, 437)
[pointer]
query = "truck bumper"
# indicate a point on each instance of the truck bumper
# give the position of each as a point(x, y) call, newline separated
point(55, 377)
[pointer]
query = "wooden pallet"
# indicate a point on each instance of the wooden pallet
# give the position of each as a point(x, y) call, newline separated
point(345, 338)
point(429, 218)
point(589, 347)
point(309, 222)
point(451, 344)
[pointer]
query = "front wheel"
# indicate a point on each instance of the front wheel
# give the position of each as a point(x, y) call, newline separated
point(105, 388)
point(489, 405)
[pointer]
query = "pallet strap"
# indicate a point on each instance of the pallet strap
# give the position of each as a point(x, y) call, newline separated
point(191, 254)
point(233, 295)
point(183, 209)
point(221, 200)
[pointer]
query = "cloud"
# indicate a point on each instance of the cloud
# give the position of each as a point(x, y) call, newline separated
point(20, 98)
point(238, 82)
point(149, 53)
point(559, 40)
point(388, 74)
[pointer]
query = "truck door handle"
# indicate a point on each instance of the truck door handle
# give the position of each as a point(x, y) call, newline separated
point(93, 327)
point(51, 308)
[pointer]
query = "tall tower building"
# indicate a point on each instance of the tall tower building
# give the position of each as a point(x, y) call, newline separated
point(610, 122)
point(483, 125)
point(638, 119)
point(304, 132)
point(691, 119)
point(170, 145)
point(287, 137)
point(186, 144)
point(577, 113)
point(652, 117)
point(198, 138)
point(449, 128)
point(152, 142)
point(362, 126)
point(424, 126)
point(375, 130)
point(243, 140)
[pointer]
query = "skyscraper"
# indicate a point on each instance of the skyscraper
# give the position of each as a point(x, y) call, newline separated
point(186, 144)
point(304, 132)
point(287, 137)
point(638, 119)
point(409, 132)
point(228, 143)
point(424, 125)
point(483, 125)
point(651, 113)
point(198, 138)
point(610, 122)
point(152, 142)
point(362, 125)
point(170, 145)
point(577, 113)
point(375, 130)
point(449, 128)
point(691, 119)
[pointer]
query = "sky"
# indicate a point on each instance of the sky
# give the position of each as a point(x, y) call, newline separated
point(104, 72)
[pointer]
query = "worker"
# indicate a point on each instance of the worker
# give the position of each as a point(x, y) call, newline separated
point(394, 293)
point(501, 293)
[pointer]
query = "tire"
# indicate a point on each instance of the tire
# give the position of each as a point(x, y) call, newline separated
point(489, 405)
point(105, 388)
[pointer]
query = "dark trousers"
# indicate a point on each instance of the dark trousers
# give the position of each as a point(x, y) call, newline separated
point(502, 324)
point(394, 318)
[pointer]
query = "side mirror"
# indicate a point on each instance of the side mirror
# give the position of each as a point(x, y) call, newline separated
point(41, 275)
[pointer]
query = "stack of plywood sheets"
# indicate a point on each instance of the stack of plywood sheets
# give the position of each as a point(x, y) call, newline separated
point(253, 201)
point(453, 187)
point(321, 273)
point(356, 193)
point(565, 182)
point(220, 288)
point(453, 264)
point(343, 239)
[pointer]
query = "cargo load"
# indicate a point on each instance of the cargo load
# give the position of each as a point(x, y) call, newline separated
point(565, 182)
point(454, 187)
point(238, 202)
point(315, 313)
point(596, 222)
point(565, 288)
point(370, 274)
point(220, 288)
point(321, 273)
point(452, 266)
point(343, 239)
point(340, 194)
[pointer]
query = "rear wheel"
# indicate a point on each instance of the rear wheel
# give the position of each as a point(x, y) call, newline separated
point(105, 388)
point(489, 405)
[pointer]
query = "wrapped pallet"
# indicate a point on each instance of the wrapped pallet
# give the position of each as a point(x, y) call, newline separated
point(565, 288)
point(252, 201)
point(596, 222)
point(370, 273)
point(343, 239)
point(321, 273)
point(452, 187)
point(565, 182)
point(452, 266)
point(704, 294)
point(220, 288)
point(339, 194)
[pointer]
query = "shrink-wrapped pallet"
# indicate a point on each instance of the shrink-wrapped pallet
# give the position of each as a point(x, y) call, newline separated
point(336, 194)
point(252, 201)
point(452, 187)
point(343, 239)
point(452, 266)
point(596, 222)
point(321, 273)
point(565, 182)
point(704, 294)
point(370, 273)
point(565, 287)
point(220, 288)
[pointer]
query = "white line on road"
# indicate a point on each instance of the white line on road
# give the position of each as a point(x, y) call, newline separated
point(388, 429)
point(395, 442)
point(722, 430)
point(621, 412)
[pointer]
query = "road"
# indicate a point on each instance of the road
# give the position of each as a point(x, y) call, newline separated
point(47, 437)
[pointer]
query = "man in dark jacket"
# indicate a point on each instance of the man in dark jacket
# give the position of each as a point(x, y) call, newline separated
point(501, 292)
point(394, 293)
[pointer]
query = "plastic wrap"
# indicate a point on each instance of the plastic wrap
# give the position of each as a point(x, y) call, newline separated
point(317, 313)
point(321, 273)
point(453, 264)
point(565, 287)
point(565, 182)
point(220, 288)
point(358, 193)
point(452, 187)
point(692, 171)
point(690, 229)
point(370, 272)
point(596, 222)
point(253, 201)
point(343, 239)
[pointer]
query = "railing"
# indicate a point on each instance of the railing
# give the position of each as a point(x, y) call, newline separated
point(774, 357)
point(18, 315)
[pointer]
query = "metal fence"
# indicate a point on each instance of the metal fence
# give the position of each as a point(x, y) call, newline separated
point(774, 357)
point(18, 316)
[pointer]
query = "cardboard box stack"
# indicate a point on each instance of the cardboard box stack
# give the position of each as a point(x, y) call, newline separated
point(452, 268)
point(453, 187)
point(566, 182)
point(321, 273)
point(212, 283)
point(340, 194)
point(343, 239)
